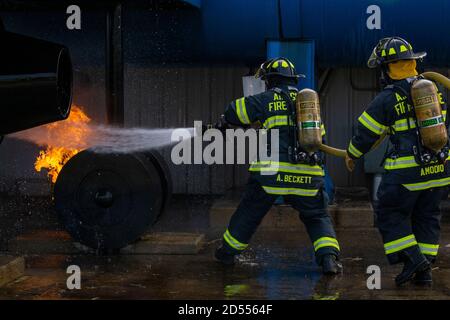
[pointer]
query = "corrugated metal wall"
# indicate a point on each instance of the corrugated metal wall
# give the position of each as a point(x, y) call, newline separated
point(176, 96)
point(172, 97)
point(341, 105)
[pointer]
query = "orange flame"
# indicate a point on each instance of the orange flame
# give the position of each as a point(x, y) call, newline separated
point(74, 129)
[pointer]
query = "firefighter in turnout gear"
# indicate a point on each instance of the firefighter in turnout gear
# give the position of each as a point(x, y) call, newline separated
point(415, 178)
point(301, 184)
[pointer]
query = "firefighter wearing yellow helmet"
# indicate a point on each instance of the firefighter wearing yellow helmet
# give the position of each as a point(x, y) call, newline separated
point(412, 112)
point(300, 181)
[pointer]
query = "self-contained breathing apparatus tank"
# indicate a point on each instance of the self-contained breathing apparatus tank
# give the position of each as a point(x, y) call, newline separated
point(309, 124)
point(431, 126)
point(305, 119)
point(432, 132)
point(308, 120)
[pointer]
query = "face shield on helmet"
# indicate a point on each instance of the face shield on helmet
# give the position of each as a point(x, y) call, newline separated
point(261, 70)
point(374, 59)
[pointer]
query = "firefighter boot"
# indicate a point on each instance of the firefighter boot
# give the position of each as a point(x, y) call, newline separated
point(330, 265)
point(414, 263)
point(423, 277)
point(221, 255)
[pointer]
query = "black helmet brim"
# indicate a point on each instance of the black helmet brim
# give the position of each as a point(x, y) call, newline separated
point(373, 61)
point(415, 56)
point(271, 74)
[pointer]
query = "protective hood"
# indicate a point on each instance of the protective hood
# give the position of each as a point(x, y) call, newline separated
point(402, 69)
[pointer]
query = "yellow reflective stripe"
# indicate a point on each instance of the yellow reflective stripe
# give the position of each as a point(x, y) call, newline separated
point(400, 163)
point(284, 64)
point(400, 244)
point(233, 242)
point(444, 114)
point(322, 127)
point(428, 245)
point(325, 242)
point(275, 121)
point(371, 124)
point(241, 111)
point(273, 166)
point(427, 184)
point(402, 125)
point(275, 169)
point(318, 296)
point(355, 152)
point(245, 111)
point(429, 249)
point(291, 191)
point(403, 163)
point(285, 164)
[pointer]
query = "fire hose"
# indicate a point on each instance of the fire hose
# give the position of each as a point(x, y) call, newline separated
point(437, 77)
point(342, 153)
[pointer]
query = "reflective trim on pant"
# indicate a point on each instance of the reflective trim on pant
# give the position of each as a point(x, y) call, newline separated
point(428, 184)
point(241, 111)
point(401, 213)
point(325, 242)
point(400, 244)
point(370, 123)
point(291, 191)
point(254, 205)
point(235, 244)
point(429, 249)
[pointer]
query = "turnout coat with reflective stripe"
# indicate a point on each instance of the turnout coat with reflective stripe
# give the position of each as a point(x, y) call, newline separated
point(272, 111)
point(391, 113)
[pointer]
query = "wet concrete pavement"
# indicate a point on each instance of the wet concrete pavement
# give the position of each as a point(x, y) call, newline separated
point(278, 265)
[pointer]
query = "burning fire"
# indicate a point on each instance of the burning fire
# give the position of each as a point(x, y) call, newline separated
point(73, 131)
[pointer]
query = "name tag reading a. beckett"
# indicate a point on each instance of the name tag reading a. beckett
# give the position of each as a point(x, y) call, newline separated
point(294, 179)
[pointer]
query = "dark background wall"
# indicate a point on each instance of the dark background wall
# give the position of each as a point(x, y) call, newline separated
point(176, 96)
